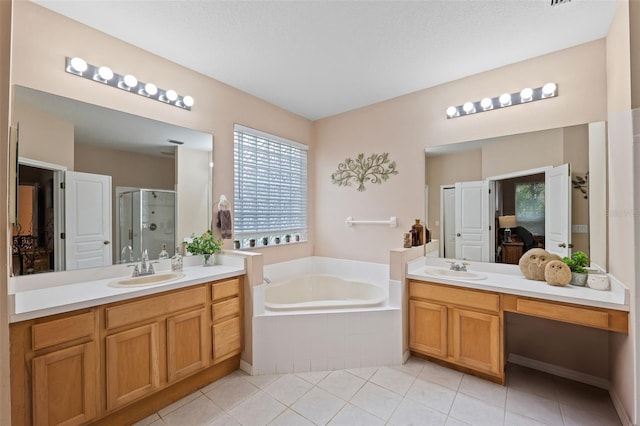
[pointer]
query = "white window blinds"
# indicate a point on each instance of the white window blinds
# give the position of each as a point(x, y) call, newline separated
point(270, 185)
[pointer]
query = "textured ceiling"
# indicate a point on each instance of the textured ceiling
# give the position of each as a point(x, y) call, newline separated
point(320, 58)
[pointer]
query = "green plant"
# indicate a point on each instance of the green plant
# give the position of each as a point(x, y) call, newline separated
point(577, 262)
point(204, 244)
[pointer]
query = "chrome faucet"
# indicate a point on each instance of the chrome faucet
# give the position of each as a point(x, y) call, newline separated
point(459, 266)
point(145, 268)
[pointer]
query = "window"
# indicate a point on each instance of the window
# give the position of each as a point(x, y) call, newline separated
point(270, 189)
point(530, 206)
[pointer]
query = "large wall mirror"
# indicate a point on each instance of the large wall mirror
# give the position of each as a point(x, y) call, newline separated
point(97, 186)
point(519, 192)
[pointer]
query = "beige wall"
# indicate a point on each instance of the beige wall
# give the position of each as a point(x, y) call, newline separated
point(45, 38)
point(5, 119)
point(404, 126)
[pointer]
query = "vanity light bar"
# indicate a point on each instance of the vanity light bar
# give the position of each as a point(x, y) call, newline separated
point(526, 95)
point(128, 82)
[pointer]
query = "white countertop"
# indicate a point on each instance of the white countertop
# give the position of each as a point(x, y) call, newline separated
point(508, 279)
point(40, 295)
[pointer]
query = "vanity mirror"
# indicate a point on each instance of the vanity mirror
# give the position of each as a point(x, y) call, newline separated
point(513, 168)
point(97, 186)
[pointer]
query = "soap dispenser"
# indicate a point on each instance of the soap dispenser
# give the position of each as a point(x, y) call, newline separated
point(176, 261)
point(163, 253)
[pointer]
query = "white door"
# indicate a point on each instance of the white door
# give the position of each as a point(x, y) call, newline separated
point(449, 222)
point(557, 210)
point(472, 220)
point(87, 220)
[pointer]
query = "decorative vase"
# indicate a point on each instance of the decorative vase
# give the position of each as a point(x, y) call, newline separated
point(420, 231)
point(208, 259)
point(578, 279)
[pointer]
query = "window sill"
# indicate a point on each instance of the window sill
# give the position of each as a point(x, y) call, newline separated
point(271, 245)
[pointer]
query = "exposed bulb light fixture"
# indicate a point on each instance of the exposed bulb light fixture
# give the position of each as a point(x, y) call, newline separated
point(505, 99)
point(526, 95)
point(468, 108)
point(486, 104)
point(128, 82)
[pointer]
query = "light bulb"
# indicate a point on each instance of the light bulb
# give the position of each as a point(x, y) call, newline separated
point(469, 108)
point(505, 99)
point(79, 64)
point(452, 111)
point(130, 81)
point(549, 90)
point(105, 73)
point(211, 164)
point(526, 94)
point(187, 101)
point(486, 104)
point(151, 89)
point(171, 95)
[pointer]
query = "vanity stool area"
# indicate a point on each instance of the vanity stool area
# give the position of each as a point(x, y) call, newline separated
point(461, 323)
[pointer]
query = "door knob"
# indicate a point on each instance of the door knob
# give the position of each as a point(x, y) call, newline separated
point(105, 242)
point(458, 235)
point(563, 245)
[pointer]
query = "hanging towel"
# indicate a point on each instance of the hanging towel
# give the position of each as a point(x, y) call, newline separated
point(224, 218)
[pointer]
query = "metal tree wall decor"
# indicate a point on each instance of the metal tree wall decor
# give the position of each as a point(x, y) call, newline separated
point(376, 168)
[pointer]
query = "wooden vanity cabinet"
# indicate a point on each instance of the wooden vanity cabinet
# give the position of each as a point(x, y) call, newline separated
point(461, 327)
point(55, 374)
point(226, 314)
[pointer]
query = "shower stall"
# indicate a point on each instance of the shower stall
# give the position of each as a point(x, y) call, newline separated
point(146, 220)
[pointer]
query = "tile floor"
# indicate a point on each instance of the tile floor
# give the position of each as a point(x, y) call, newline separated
point(417, 393)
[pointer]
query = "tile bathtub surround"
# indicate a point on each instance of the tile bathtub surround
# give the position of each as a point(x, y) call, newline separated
point(418, 392)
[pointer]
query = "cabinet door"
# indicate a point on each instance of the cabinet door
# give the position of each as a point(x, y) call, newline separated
point(428, 328)
point(132, 364)
point(64, 386)
point(186, 344)
point(227, 339)
point(476, 340)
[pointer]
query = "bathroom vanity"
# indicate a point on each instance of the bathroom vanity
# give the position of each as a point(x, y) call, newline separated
point(123, 352)
point(459, 321)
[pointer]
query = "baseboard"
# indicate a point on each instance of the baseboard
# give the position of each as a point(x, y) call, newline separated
point(405, 356)
point(246, 367)
point(617, 404)
point(557, 370)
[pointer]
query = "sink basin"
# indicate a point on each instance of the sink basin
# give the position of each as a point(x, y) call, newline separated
point(448, 273)
point(145, 280)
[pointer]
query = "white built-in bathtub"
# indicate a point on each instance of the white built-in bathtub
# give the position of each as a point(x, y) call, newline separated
point(321, 313)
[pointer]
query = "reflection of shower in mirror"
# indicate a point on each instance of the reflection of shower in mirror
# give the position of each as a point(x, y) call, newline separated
point(146, 220)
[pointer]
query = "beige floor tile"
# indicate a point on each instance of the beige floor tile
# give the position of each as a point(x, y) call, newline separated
point(231, 393)
point(261, 381)
point(199, 412)
point(259, 409)
point(363, 372)
point(395, 380)
point(577, 417)
point(313, 377)
point(413, 366)
point(341, 384)
point(531, 381)
point(441, 375)
point(318, 405)
point(410, 412)
point(534, 406)
point(484, 390)
point(148, 420)
point(452, 421)
point(432, 395)
point(350, 415)
point(377, 400)
point(288, 388)
point(476, 412)
point(224, 420)
point(179, 403)
point(290, 418)
point(513, 419)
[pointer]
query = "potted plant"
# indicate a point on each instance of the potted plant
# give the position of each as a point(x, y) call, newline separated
point(206, 245)
point(578, 263)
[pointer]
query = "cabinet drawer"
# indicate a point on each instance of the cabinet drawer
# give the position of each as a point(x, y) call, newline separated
point(226, 308)
point(224, 289)
point(454, 295)
point(62, 330)
point(154, 307)
point(607, 319)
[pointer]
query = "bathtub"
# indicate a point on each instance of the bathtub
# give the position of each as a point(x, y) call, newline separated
point(318, 314)
point(322, 291)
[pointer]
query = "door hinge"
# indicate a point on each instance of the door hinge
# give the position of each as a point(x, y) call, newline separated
point(489, 190)
point(61, 185)
point(62, 236)
point(489, 227)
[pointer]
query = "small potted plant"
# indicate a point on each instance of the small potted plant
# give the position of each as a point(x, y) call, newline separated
point(578, 263)
point(206, 245)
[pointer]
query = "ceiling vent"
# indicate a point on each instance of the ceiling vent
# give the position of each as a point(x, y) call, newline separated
point(559, 2)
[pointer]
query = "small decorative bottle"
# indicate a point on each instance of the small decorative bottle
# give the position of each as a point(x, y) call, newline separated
point(176, 261)
point(420, 231)
point(427, 232)
point(163, 253)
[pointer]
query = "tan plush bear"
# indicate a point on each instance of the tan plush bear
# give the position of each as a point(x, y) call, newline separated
point(557, 273)
point(533, 262)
